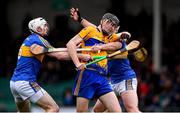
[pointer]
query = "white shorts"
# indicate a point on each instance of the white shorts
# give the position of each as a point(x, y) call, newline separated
point(130, 84)
point(25, 90)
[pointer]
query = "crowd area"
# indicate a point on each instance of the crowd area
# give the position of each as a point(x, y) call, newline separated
point(156, 91)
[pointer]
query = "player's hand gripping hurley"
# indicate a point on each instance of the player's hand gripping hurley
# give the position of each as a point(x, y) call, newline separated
point(132, 45)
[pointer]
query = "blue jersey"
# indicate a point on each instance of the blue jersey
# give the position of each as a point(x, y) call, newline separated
point(28, 64)
point(120, 69)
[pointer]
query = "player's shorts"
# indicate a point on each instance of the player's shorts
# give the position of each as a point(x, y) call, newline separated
point(25, 90)
point(91, 84)
point(125, 85)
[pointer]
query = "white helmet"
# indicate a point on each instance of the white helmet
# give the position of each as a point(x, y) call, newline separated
point(37, 22)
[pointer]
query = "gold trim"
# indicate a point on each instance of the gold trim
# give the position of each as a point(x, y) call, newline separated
point(129, 84)
point(76, 91)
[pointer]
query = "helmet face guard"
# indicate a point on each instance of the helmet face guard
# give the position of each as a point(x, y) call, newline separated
point(35, 23)
point(111, 19)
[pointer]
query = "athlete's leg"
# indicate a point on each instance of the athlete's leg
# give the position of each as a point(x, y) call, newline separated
point(23, 106)
point(82, 104)
point(99, 107)
point(130, 100)
point(110, 101)
point(47, 103)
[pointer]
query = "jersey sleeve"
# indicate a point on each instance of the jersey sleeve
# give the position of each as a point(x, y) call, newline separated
point(114, 38)
point(25, 51)
point(43, 42)
point(33, 39)
point(84, 32)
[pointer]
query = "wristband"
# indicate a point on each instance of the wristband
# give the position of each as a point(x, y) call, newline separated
point(80, 19)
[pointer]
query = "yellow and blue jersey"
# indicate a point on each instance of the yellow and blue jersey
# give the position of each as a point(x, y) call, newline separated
point(28, 64)
point(120, 69)
point(92, 36)
point(92, 82)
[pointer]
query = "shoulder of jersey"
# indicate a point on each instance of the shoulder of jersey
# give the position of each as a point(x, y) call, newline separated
point(32, 38)
point(90, 27)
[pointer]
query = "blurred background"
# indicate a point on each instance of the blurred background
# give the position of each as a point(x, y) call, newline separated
point(155, 23)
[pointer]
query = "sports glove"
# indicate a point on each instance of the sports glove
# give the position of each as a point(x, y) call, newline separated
point(79, 16)
point(125, 35)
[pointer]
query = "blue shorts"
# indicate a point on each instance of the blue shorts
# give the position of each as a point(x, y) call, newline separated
point(91, 84)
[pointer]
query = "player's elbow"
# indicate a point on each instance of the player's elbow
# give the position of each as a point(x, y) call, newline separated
point(70, 43)
point(67, 45)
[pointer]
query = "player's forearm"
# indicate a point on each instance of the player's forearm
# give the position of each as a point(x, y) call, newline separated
point(86, 23)
point(60, 55)
point(111, 46)
point(66, 56)
point(71, 47)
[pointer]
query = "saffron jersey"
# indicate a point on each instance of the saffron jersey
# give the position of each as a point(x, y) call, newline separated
point(92, 36)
